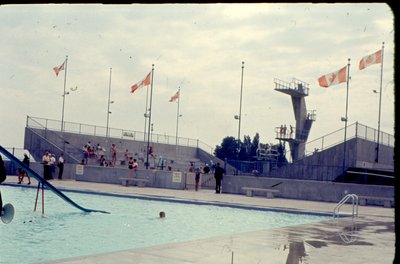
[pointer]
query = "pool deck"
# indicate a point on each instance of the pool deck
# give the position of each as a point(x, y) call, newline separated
point(368, 238)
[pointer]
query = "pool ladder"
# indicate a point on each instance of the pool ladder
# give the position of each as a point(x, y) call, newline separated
point(354, 201)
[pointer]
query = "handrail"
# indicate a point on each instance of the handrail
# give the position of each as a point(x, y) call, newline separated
point(44, 182)
point(55, 146)
point(122, 133)
point(343, 201)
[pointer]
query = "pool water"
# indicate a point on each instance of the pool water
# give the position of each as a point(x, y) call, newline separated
point(132, 223)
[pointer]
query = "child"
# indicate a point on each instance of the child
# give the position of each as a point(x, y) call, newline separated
point(21, 176)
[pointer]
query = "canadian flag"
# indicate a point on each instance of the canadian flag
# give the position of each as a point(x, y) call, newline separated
point(333, 77)
point(370, 59)
point(174, 97)
point(59, 68)
point(146, 81)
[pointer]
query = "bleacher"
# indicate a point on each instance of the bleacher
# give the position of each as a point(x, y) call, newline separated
point(40, 136)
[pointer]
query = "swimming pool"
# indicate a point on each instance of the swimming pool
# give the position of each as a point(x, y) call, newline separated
point(133, 223)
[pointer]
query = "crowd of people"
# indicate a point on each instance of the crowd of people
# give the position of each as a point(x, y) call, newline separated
point(99, 154)
point(50, 163)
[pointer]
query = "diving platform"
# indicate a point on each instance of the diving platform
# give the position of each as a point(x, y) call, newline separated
point(296, 135)
point(295, 88)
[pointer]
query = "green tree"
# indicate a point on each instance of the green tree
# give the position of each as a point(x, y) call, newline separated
point(245, 148)
point(254, 147)
point(228, 149)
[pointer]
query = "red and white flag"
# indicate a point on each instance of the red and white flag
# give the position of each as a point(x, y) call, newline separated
point(174, 97)
point(145, 82)
point(59, 68)
point(333, 77)
point(370, 59)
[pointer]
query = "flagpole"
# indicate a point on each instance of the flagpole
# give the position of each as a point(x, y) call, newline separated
point(346, 118)
point(177, 115)
point(145, 115)
point(108, 105)
point(63, 105)
point(148, 128)
point(380, 101)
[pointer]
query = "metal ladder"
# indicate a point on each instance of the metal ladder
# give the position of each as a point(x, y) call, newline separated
point(354, 202)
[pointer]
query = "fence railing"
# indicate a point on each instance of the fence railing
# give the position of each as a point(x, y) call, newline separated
point(355, 130)
point(94, 130)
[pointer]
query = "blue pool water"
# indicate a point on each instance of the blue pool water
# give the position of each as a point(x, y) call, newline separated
point(132, 223)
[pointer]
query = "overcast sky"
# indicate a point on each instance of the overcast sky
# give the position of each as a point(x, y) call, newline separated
point(199, 47)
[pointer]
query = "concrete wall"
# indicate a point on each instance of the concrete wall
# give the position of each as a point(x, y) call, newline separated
point(366, 155)
point(327, 164)
point(289, 188)
point(305, 189)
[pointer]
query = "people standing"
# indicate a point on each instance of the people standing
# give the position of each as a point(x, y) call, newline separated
point(135, 166)
point(126, 156)
point(23, 173)
point(46, 166)
point(197, 173)
point(52, 164)
point(218, 175)
point(113, 155)
point(206, 169)
point(130, 166)
point(60, 166)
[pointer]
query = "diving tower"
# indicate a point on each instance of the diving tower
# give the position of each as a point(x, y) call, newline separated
point(296, 135)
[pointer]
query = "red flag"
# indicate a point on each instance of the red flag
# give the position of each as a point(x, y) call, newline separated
point(370, 59)
point(59, 68)
point(174, 97)
point(333, 78)
point(146, 81)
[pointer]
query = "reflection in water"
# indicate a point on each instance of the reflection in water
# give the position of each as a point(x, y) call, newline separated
point(297, 252)
point(295, 248)
point(349, 231)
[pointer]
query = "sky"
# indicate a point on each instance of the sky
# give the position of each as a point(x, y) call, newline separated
point(198, 48)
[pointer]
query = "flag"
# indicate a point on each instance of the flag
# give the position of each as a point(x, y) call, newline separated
point(333, 78)
point(146, 81)
point(59, 68)
point(174, 97)
point(370, 59)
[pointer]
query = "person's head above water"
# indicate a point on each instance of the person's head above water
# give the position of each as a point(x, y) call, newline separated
point(162, 214)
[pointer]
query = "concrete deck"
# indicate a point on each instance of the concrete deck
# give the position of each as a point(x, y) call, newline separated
point(370, 238)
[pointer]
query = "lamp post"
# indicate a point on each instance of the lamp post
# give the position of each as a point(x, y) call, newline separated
point(108, 104)
point(345, 119)
point(240, 107)
point(63, 110)
point(239, 117)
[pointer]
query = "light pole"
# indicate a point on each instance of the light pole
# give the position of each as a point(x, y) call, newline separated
point(345, 119)
point(239, 117)
point(108, 104)
point(240, 107)
point(63, 110)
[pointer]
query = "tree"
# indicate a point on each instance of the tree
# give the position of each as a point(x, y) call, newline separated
point(245, 148)
point(232, 149)
point(254, 146)
point(228, 149)
point(281, 155)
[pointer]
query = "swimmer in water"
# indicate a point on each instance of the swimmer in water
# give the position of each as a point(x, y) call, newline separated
point(162, 214)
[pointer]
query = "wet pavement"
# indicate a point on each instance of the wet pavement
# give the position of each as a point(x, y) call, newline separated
point(368, 238)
